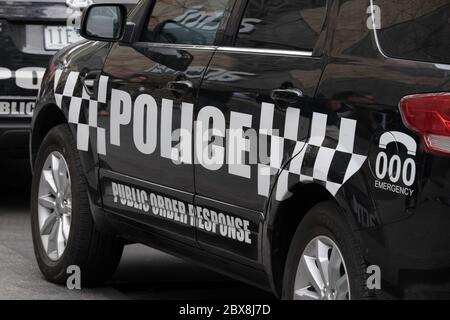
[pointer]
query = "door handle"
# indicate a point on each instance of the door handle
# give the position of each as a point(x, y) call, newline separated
point(291, 95)
point(180, 87)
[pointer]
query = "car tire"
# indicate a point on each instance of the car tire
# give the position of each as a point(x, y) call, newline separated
point(324, 244)
point(97, 255)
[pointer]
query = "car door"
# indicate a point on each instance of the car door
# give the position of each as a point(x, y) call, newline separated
point(256, 100)
point(147, 169)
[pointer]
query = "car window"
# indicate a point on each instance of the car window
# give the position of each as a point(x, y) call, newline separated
point(415, 29)
point(193, 22)
point(282, 24)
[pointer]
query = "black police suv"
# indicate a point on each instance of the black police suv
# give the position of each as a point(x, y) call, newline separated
point(31, 32)
point(300, 146)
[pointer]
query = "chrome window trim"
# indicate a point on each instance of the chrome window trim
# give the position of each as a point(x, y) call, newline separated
point(181, 46)
point(266, 51)
point(232, 49)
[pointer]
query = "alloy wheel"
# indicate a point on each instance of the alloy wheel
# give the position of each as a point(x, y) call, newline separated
point(55, 205)
point(321, 274)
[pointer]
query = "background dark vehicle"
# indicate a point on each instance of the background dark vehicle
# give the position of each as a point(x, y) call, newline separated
point(30, 33)
point(362, 110)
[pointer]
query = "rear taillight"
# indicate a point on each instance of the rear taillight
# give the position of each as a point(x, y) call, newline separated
point(429, 115)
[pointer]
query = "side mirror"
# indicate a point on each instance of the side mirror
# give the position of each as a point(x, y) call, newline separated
point(104, 22)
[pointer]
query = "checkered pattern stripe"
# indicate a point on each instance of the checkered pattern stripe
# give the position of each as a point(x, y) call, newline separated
point(66, 96)
point(314, 160)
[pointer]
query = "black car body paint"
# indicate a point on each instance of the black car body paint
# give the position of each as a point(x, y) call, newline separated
point(399, 214)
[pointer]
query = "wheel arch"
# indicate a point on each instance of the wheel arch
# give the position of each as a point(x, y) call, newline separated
point(282, 221)
point(49, 116)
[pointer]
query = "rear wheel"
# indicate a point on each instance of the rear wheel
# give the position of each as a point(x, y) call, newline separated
point(324, 260)
point(64, 233)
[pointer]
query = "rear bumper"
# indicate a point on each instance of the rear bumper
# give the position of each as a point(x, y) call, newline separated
point(419, 252)
point(413, 257)
point(23, 64)
point(14, 137)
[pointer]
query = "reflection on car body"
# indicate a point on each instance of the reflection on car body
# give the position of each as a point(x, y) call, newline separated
point(297, 154)
point(30, 33)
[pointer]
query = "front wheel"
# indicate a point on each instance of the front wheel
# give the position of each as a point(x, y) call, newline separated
point(324, 260)
point(64, 233)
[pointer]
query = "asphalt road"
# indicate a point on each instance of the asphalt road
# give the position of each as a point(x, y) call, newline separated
point(143, 273)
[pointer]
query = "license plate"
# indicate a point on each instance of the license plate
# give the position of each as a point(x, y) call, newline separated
point(58, 37)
